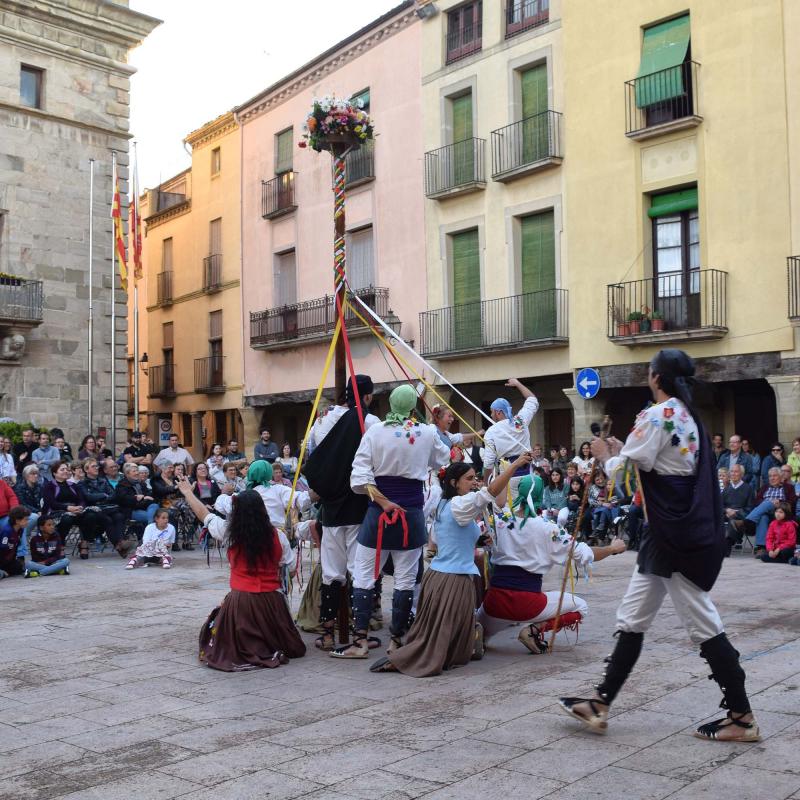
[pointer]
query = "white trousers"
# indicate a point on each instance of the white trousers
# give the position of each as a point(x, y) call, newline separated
point(693, 606)
point(338, 552)
point(493, 625)
point(406, 564)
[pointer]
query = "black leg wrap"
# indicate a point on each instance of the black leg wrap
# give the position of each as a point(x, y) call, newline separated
point(401, 610)
point(723, 659)
point(362, 608)
point(330, 597)
point(620, 664)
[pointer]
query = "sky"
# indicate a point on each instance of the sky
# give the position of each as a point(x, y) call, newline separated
point(209, 56)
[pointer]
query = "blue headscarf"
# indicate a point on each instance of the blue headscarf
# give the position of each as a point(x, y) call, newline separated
point(501, 404)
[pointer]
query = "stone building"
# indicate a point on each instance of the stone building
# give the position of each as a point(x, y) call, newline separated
point(64, 94)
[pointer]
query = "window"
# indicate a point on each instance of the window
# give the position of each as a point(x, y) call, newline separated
point(466, 292)
point(186, 426)
point(216, 161)
point(215, 236)
point(463, 156)
point(464, 30)
point(167, 336)
point(283, 151)
point(676, 257)
point(524, 14)
point(166, 255)
point(285, 279)
point(30, 86)
point(215, 348)
point(361, 100)
point(535, 122)
point(215, 325)
point(360, 259)
point(538, 275)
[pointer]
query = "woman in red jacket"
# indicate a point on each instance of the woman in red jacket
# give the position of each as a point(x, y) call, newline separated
point(781, 536)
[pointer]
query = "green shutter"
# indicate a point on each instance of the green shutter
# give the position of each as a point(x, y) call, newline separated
point(462, 117)
point(463, 153)
point(662, 205)
point(535, 129)
point(466, 311)
point(664, 49)
point(538, 272)
point(283, 152)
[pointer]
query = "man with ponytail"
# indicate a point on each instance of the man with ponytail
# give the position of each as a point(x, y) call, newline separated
point(681, 552)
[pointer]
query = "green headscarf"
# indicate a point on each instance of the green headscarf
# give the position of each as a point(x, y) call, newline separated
point(259, 474)
point(402, 401)
point(529, 496)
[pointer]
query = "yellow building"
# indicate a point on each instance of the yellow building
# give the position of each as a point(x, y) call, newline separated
point(192, 346)
point(656, 212)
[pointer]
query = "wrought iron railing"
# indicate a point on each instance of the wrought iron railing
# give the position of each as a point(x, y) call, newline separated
point(521, 15)
point(208, 374)
point(793, 269)
point(490, 324)
point(21, 300)
point(277, 195)
point(161, 380)
point(311, 318)
point(464, 41)
point(212, 272)
point(525, 142)
point(661, 97)
point(164, 288)
point(360, 164)
point(454, 165)
point(678, 302)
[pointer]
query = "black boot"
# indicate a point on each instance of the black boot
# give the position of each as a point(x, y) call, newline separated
point(723, 659)
point(402, 600)
point(330, 598)
point(620, 664)
point(362, 608)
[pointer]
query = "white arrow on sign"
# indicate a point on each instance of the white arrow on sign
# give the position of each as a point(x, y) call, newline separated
point(586, 383)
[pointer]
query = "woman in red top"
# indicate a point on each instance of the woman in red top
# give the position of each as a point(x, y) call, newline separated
point(253, 627)
point(781, 536)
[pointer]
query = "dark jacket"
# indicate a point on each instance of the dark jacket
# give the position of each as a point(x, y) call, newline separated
point(29, 496)
point(57, 496)
point(162, 490)
point(125, 495)
point(18, 449)
point(739, 499)
point(98, 491)
point(767, 463)
point(215, 493)
point(46, 551)
point(9, 542)
point(746, 460)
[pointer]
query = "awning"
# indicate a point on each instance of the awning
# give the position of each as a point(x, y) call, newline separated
point(661, 75)
point(663, 205)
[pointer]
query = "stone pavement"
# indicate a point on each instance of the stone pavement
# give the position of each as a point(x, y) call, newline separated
point(101, 696)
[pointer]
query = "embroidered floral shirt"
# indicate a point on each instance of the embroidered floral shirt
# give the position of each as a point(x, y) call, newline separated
point(510, 437)
point(664, 438)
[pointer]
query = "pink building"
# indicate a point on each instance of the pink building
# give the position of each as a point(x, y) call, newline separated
point(287, 223)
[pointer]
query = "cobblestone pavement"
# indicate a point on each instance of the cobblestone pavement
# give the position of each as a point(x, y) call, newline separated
point(101, 696)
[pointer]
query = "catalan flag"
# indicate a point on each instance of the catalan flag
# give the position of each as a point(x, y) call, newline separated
point(119, 238)
point(135, 224)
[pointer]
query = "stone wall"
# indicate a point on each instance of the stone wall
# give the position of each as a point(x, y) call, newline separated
point(44, 196)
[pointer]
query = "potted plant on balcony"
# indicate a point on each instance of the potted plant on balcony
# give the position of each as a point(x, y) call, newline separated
point(657, 320)
point(336, 124)
point(644, 326)
point(635, 322)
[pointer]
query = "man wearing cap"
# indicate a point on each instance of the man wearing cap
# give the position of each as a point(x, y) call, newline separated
point(510, 436)
point(137, 452)
point(327, 472)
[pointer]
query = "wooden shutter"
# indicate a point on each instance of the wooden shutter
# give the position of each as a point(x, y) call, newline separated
point(215, 236)
point(535, 126)
point(283, 152)
point(466, 312)
point(538, 273)
point(167, 335)
point(360, 259)
point(463, 153)
point(285, 279)
point(215, 324)
point(462, 117)
point(166, 255)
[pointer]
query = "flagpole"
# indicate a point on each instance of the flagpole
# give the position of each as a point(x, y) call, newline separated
point(135, 295)
point(90, 365)
point(113, 437)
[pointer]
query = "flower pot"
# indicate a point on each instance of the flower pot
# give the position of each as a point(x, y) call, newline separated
point(339, 142)
point(658, 325)
point(624, 329)
point(645, 326)
point(635, 326)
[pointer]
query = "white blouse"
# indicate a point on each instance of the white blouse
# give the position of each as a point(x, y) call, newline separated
point(510, 437)
point(218, 528)
point(7, 466)
point(325, 422)
point(276, 500)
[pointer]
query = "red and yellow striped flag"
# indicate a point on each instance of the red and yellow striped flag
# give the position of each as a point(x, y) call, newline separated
point(119, 238)
point(135, 224)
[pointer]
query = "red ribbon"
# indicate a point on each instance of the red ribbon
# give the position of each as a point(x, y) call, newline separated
point(384, 520)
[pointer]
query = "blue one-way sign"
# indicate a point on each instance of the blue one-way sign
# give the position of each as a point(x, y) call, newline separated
point(587, 382)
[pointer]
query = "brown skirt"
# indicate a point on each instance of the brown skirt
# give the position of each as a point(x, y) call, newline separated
point(250, 630)
point(442, 636)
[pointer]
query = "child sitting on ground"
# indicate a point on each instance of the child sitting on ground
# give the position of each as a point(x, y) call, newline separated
point(157, 541)
point(11, 533)
point(781, 536)
point(47, 552)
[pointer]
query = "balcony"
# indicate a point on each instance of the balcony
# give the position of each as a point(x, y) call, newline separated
point(277, 196)
point(164, 288)
point(526, 146)
point(463, 41)
point(670, 307)
point(212, 273)
point(360, 165)
point(662, 102)
point(208, 377)
point(793, 269)
point(311, 321)
point(523, 15)
point(455, 169)
point(21, 302)
point(520, 322)
point(161, 380)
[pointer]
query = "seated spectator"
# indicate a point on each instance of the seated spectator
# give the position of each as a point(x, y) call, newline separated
point(559, 457)
point(132, 497)
point(102, 449)
point(279, 477)
point(111, 472)
point(204, 488)
point(756, 462)
point(287, 461)
point(724, 478)
point(157, 541)
point(635, 521)
point(7, 500)
point(47, 551)
point(555, 494)
point(572, 472)
point(180, 472)
point(215, 462)
point(66, 504)
point(736, 455)
point(737, 503)
point(11, 563)
point(793, 461)
point(63, 447)
point(781, 536)
point(602, 506)
point(29, 494)
point(574, 500)
point(76, 472)
point(166, 492)
point(776, 458)
point(584, 460)
point(23, 451)
point(265, 449)
point(231, 483)
point(769, 497)
point(540, 461)
point(100, 493)
point(138, 452)
point(88, 448)
point(144, 477)
point(46, 456)
point(233, 453)
point(8, 472)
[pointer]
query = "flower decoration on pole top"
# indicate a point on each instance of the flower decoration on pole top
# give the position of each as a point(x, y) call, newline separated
point(333, 122)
